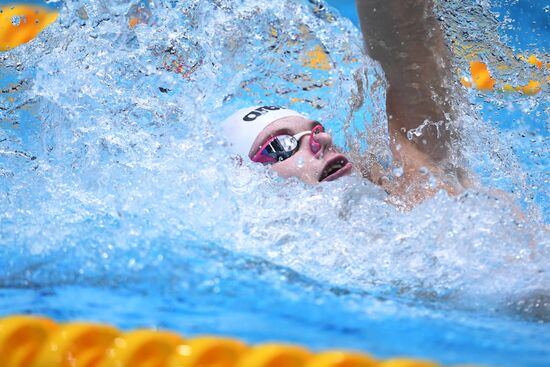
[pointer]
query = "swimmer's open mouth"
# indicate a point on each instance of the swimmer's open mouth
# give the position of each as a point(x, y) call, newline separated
point(335, 168)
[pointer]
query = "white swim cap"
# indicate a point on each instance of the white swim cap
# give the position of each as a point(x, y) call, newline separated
point(242, 128)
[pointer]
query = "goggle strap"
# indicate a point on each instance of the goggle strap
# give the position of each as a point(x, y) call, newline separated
point(301, 134)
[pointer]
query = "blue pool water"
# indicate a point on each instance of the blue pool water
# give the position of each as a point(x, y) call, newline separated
point(119, 204)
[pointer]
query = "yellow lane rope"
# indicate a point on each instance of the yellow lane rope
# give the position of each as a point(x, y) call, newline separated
point(32, 341)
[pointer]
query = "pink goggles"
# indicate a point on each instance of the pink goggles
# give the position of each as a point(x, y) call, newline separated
point(281, 147)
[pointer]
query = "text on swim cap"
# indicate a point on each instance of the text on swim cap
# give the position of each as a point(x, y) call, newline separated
point(253, 115)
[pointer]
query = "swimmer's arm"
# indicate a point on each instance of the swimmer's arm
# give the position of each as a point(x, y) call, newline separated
point(405, 38)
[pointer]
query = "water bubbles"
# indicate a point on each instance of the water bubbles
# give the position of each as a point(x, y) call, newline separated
point(432, 182)
point(398, 171)
point(16, 20)
point(156, 98)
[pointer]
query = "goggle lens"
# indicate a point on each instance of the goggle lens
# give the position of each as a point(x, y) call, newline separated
point(282, 147)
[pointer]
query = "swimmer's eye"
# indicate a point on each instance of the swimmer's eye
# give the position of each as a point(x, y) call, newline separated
point(277, 149)
point(281, 147)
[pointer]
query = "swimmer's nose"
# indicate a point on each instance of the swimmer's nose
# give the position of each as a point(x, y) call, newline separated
point(319, 141)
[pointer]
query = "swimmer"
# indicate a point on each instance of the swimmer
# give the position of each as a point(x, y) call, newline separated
point(406, 39)
point(294, 145)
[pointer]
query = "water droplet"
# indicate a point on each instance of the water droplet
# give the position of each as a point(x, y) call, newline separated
point(397, 171)
point(300, 162)
point(15, 20)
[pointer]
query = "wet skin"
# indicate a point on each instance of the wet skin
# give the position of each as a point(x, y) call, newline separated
point(309, 167)
point(406, 38)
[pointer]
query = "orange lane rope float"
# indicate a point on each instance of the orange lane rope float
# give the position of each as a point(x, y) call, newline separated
point(31, 341)
point(140, 13)
point(21, 23)
point(482, 79)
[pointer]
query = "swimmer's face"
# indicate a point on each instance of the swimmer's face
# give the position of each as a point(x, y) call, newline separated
point(327, 164)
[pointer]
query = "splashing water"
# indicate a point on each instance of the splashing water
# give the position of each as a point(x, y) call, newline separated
point(113, 170)
point(509, 149)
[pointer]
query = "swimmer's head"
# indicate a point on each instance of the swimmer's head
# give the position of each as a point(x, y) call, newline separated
point(293, 144)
